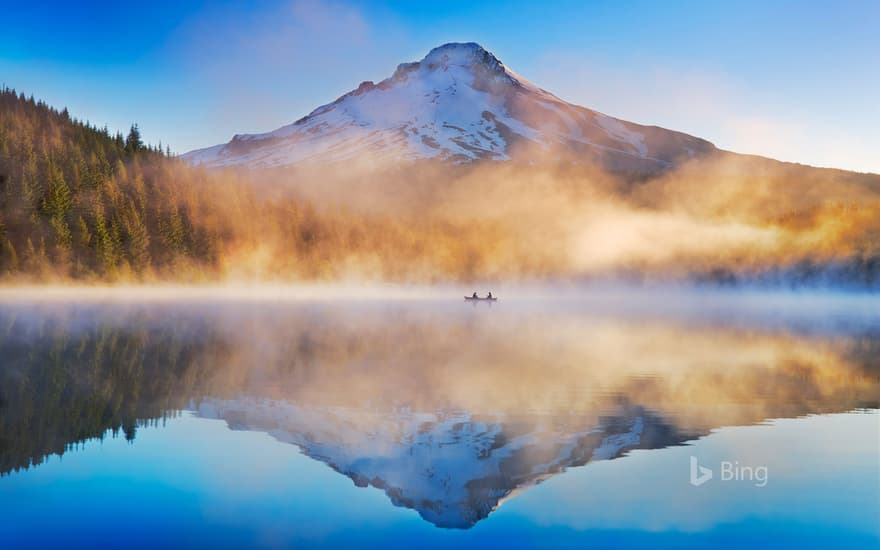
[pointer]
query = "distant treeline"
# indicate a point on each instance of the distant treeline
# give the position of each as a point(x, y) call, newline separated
point(861, 272)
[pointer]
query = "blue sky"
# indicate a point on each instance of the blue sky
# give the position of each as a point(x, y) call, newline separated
point(795, 80)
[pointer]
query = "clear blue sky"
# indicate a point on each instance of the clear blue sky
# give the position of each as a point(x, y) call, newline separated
point(795, 80)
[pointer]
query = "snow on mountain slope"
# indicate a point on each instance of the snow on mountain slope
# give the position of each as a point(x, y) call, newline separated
point(453, 468)
point(460, 104)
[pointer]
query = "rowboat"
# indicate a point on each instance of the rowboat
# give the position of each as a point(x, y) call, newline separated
point(472, 299)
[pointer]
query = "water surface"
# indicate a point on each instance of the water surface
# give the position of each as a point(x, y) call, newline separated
point(559, 419)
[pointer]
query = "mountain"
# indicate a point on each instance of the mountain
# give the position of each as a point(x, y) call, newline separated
point(459, 104)
point(77, 203)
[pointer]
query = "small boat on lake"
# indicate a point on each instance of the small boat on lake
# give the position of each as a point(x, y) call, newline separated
point(479, 299)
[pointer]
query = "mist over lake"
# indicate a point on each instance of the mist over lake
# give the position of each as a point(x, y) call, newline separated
point(412, 415)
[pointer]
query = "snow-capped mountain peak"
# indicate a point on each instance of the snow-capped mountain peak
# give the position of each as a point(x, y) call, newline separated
point(460, 103)
point(468, 55)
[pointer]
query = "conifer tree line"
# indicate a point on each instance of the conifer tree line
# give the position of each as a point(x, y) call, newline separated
point(77, 201)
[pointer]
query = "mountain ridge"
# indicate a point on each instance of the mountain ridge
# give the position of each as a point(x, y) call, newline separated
point(460, 103)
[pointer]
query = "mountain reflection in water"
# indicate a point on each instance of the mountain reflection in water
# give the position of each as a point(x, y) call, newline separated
point(447, 409)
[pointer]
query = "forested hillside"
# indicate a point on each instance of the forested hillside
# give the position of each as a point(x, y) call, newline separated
point(78, 203)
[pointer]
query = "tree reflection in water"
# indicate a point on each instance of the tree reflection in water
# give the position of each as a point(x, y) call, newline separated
point(448, 410)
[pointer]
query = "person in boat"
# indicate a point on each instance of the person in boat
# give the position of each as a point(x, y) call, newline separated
point(490, 296)
point(475, 295)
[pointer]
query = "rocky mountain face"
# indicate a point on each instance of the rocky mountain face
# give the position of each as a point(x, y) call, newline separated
point(458, 104)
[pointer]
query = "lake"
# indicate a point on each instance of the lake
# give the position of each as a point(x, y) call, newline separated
point(608, 418)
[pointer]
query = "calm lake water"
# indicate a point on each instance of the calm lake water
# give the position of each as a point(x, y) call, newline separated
point(609, 420)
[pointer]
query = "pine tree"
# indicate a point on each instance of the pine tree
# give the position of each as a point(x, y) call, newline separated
point(31, 187)
point(133, 143)
point(84, 236)
point(138, 240)
point(104, 242)
point(36, 260)
point(57, 204)
point(174, 231)
point(9, 258)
